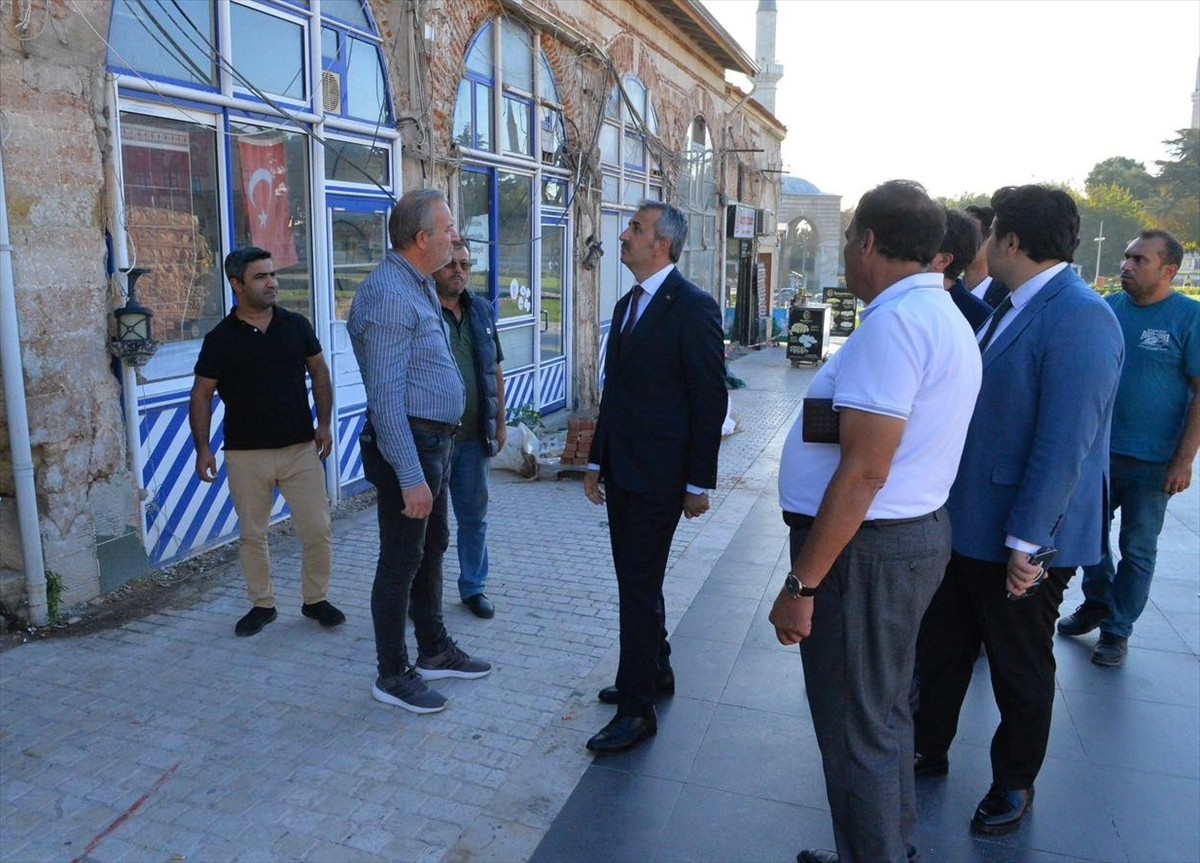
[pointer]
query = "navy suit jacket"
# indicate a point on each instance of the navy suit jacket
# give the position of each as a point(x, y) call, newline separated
point(1035, 464)
point(664, 398)
point(975, 310)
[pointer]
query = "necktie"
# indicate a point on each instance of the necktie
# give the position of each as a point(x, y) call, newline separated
point(631, 315)
point(1001, 310)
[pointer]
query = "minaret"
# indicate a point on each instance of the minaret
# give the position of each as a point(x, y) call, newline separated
point(769, 72)
point(1195, 99)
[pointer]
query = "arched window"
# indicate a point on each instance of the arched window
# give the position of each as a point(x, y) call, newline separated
point(697, 196)
point(631, 173)
point(514, 205)
point(526, 91)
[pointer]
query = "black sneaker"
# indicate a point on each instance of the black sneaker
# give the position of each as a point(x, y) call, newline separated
point(1110, 650)
point(254, 620)
point(323, 613)
point(451, 662)
point(409, 691)
point(1084, 619)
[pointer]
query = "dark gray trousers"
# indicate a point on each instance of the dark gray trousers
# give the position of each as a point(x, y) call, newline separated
point(858, 665)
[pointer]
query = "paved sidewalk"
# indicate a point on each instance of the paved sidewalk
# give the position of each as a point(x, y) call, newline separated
point(170, 739)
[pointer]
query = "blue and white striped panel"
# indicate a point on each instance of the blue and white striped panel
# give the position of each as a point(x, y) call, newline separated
point(518, 390)
point(553, 385)
point(182, 514)
point(603, 354)
point(350, 426)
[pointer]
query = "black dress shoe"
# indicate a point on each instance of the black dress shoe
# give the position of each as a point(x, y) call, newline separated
point(624, 732)
point(930, 765)
point(1001, 811)
point(664, 685)
point(480, 606)
point(819, 855)
point(1083, 619)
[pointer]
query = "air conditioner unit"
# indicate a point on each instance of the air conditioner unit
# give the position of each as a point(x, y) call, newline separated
point(331, 92)
point(764, 223)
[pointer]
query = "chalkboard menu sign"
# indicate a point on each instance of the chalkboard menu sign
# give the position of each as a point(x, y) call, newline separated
point(808, 333)
point(843, 307)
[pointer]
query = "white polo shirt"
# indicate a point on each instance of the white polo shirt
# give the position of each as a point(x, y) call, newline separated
point(913, 357)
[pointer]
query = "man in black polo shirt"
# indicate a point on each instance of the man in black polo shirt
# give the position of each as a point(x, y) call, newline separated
point(255, 359)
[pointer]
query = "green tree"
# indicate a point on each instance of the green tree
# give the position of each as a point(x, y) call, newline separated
point(1126, 173)
point(1122, 217)
point(1177, 204)
point(967, 199)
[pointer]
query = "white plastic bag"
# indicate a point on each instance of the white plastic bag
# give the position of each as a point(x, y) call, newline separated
point(520, 452)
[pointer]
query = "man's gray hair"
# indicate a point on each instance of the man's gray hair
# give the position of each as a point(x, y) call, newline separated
point(413, 214)
point(672, 226)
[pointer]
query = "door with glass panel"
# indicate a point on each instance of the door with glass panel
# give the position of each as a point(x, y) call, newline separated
point(553, 299)
point(358, 240)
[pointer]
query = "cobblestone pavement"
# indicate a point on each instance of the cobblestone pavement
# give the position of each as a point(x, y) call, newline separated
point(169, 739)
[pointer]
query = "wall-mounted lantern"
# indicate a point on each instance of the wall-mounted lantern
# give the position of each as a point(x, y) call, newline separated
point(132, 343)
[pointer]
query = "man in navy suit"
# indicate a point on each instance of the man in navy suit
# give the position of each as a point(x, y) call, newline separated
point(1033, 477)
point(959, 247)
point(655, 450)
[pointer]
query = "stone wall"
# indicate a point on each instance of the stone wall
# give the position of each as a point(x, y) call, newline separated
point(54, 140)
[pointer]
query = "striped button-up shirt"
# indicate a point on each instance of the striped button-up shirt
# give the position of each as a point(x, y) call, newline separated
point(400, 342)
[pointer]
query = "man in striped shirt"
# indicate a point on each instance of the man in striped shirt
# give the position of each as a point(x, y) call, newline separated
point(415, 399)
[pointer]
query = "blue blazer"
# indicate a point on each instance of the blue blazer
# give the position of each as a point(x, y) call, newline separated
point(1035, 464)
point(664, 399)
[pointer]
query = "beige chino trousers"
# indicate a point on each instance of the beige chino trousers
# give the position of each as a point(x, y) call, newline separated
point(296, 470)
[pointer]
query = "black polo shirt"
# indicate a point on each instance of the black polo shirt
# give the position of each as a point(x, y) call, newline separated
point(260, 378)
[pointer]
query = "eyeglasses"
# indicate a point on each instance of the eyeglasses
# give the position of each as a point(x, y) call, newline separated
point(458, 265)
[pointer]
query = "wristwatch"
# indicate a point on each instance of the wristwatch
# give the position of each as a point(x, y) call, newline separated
point(795, 589)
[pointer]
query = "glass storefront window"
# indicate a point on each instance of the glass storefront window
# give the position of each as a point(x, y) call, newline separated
point(474, 223)
point(271, 207)
point(515, 264)
point(517, 344)
point(278, 72)
point(517, 54)
point(553, 274)
point(172, 220)
point(350, 11)
point(347, 162)
point(175, 44)
point(358, 247)
point(366, 93)
point(516, 126)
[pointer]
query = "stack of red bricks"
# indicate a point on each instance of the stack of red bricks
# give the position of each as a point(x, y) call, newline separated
point(579, 441)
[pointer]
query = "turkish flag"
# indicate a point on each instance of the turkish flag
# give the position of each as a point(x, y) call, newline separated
point(264, 186)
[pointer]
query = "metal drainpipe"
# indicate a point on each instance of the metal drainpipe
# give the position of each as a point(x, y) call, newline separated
point(18, 425)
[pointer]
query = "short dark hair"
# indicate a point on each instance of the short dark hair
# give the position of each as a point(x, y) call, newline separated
point(961, 241)
point(908, 225)
point(1045, 220)
point(672, 226)
point(983, 214)
point(461, 243)
point(1172, 252)
point(240, 258)
point(413, 214)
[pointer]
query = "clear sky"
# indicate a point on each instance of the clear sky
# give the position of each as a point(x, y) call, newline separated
point(968, 96)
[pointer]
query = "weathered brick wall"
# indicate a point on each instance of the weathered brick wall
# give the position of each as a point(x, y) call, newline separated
point(52, 81)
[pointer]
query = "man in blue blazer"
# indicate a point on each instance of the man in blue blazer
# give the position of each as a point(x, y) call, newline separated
point(1033, 477)
point(655, 449)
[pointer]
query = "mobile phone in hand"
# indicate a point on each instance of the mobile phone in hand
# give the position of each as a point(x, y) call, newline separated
point(1043, 557)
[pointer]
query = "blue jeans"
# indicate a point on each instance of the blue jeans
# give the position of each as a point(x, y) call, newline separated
point(408, 575)
point(1136, 490)
point(469, 466)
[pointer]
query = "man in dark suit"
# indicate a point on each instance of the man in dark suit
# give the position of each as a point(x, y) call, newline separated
point(655, 450)
point(960, 246)
point(976, 278)
point(1032, 478)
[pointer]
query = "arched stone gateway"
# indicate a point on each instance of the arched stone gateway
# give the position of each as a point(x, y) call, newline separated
point(813, 236)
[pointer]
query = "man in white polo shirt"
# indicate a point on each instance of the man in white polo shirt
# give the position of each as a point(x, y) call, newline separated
point(869, 535)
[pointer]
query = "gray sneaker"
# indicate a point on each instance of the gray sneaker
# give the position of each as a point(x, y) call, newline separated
point(409, 691)
point(451, 662)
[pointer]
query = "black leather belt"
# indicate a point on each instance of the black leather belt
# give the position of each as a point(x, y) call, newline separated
point(795, 519)
point(433, 426)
